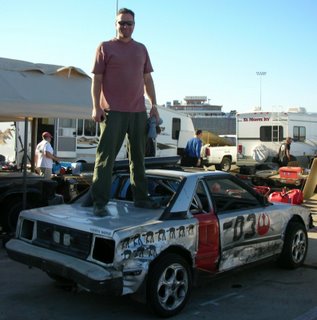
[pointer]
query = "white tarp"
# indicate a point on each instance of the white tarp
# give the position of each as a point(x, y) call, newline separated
point(43, 91)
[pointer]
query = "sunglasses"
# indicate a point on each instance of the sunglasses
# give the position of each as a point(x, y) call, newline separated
point(126, 23)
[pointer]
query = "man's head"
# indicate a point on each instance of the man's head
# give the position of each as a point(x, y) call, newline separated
point(289, 140)
point(47, 136)
point(125, 24)
point(199, 133)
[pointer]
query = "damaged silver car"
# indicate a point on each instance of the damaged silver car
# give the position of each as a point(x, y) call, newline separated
point(208, 221)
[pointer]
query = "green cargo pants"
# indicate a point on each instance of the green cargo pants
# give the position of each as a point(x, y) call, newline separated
point(112, 133)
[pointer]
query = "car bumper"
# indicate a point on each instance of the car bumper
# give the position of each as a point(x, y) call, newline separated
point(89, 275)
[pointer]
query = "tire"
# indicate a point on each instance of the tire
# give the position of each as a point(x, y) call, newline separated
point(225, 164)
point(13, 207)
point(169, 285)
point(295, 246)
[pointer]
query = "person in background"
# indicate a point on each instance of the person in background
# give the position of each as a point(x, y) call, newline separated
point(122, 73)
point(192, 151)
point(216, 188)
point(44, 156)
point(284, 154)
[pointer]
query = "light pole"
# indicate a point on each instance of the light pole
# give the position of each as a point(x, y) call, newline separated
point(260, 73)
point(117, 9)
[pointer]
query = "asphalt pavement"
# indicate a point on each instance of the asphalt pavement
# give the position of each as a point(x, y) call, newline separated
point(257, 293)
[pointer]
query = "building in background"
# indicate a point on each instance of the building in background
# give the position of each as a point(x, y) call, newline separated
point(206, 116)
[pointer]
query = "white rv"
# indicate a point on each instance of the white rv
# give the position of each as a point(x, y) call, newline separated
point(261, 133)
point(76, 140)
point(7, 141)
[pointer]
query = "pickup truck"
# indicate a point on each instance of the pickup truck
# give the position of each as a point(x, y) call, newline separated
point(39, 192)
point(221, 157)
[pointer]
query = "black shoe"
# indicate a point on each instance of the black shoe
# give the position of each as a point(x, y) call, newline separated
point(100, 211)
point(148, 204)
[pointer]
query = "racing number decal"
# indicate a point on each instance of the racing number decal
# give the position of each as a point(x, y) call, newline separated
point(261, 228)
point(238, 228)
point(239, 225)
point(249, 234)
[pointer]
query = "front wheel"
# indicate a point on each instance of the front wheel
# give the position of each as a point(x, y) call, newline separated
point(169, 285)
point(225, 165)
point(295, 246)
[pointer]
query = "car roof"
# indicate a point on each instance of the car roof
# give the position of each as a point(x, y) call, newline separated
point(184, 173)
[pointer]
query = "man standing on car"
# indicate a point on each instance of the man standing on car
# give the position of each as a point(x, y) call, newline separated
point(192, 151)
point(122, 72)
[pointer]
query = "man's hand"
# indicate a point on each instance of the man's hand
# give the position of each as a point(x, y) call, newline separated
point(98, 114)
point(154, 113)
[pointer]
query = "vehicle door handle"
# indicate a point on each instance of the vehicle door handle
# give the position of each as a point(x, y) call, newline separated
point(227, 225)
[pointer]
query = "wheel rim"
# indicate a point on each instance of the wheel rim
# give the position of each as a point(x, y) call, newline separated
point(226, 165)
point(172, 286)
point(299, 246)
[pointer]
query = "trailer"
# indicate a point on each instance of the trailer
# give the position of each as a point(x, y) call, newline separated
point(76, 140)
point(12, 144)
point(7, 142)
point(260, 134)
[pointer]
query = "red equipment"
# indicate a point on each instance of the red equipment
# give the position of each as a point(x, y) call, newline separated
point(290, 172)
point(293, 196)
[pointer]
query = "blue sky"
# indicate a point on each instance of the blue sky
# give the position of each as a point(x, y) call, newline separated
point(197, 47)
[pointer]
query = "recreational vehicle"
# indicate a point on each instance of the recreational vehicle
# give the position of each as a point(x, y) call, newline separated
point(260, 133)
point(76, 140)
point(7, 141)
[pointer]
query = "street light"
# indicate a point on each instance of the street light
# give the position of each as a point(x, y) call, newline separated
point(117, 9)
point(260, 73)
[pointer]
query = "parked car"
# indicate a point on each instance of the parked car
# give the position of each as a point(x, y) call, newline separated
point(39, 192)
point(208, 221)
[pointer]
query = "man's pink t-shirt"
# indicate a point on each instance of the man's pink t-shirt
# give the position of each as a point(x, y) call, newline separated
point(123, 66)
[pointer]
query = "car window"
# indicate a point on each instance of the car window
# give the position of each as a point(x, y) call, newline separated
point(160, 189)
point(228, 195)
point(200, 202)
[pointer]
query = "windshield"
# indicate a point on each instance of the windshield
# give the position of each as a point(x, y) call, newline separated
point(161, 189)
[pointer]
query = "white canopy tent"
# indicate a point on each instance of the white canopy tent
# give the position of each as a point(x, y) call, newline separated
point(43, 91)
point(29, 91)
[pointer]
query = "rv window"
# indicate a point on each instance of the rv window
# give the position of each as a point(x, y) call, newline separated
point(90, 128)
point(299, 133)
point(67, 123)
point(176, 127)
point(80, 124)
point(271, 133)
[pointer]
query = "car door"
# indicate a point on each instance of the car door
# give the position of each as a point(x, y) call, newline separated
point(249, 228)
point(208, 229)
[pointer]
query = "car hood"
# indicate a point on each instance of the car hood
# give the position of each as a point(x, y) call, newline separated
point(74, 216)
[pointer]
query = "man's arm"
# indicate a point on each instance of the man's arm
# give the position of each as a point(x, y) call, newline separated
point(288, 154)
point(198, 150)
point(49, 155)
point(150, 92)
point(96, 85)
